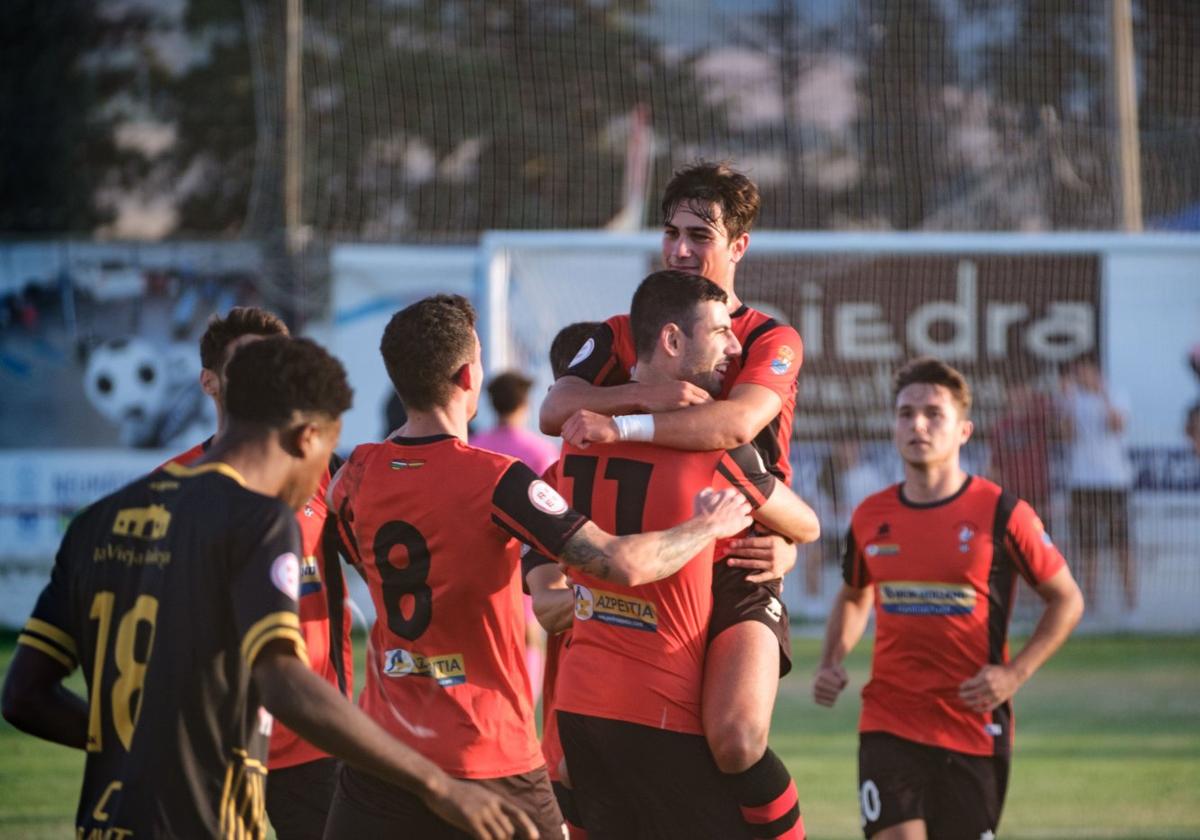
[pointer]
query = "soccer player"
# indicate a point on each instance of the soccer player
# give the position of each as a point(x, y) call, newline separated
point(629, 686)
point(177, 594)
point(938, 556)
point(437, 527)
point(301, 781)
point(708, 210)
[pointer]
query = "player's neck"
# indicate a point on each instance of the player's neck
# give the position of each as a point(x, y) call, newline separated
point(925, 483)
point(444, 420)
point(258, 459)
point(733, 302)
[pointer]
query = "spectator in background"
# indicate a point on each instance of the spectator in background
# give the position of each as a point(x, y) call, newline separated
point(509, 395)
point(1100, 476)
point(846, 478)
point(1192, 427)
point(1020, 444)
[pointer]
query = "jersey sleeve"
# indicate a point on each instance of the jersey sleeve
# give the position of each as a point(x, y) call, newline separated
point(773, 359)
point(605, 358)
point(743, 470)
point(532, 511)
point(854, 564)
point(338, 502)
point(1033, 552)
point(51, 628)
point(265, 582)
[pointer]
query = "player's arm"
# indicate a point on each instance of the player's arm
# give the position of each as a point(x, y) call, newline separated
point(553, 600)
point(35, 700)
point(1063, 607)
point(847, 621)
point(320, 715)
point(645, 558)
point(571, 394)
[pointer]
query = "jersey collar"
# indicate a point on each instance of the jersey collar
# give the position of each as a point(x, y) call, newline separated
point(924, 505)
point(419, 441)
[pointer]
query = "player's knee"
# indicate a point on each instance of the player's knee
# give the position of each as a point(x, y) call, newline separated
point(738, 747)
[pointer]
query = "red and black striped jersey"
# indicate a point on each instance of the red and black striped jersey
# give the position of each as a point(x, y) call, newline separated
point(944, 578)
point(771, 357)
point(437, 528)
point(637, 652)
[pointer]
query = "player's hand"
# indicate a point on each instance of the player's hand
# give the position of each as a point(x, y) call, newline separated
point(668, 396)
point(769, 557)
point(481, 813)
point(993, 685)
point(828, 684)
point(584, 427)
point(727, 510)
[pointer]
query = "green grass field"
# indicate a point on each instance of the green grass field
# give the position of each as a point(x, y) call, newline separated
point(1108, 746)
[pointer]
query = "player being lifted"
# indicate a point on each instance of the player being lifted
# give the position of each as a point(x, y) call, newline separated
point(629, 686)
point(437, 526)
point(178, 596)
point(708, 210)
point(939, 556)
point(301, 781)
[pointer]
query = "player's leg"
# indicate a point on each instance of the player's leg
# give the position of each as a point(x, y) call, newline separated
point(533, 794)
point(1118, 539)
point(298, 799)
point(967, 796)
point(893, 777)
point(1083, 540)
point(748, 651)
point(597, 781)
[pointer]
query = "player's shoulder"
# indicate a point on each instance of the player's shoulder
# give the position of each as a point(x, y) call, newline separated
point(879, 503)
point(751, 324)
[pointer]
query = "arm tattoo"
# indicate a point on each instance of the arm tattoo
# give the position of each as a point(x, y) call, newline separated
point(584, 554)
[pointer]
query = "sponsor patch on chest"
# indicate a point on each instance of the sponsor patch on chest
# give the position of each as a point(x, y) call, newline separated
point(447, 668)
point(615, 608)
point(915, 597)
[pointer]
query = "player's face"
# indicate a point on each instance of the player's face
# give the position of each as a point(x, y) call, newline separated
point(930, 427)
point(317, 442)
point(693, 244)
point(711, 347)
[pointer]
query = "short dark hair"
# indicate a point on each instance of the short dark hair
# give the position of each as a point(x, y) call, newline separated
point(668, 297)
point(714, 183)
point(508, 391)
point(424, 345)
point(240, 321)
point(926, 370)
point(268, 382)
point(567, 343)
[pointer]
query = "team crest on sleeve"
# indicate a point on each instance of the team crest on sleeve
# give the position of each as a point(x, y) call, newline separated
point(285, 574)
point(782, 362)
point(584, 352)
point(546, 499)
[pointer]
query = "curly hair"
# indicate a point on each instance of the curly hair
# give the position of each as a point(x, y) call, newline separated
point(424, 345)
point(706, 184)
point(508, 391)
point(269, 381)
point(668, 297)
point(926, 370)
point(241, 320)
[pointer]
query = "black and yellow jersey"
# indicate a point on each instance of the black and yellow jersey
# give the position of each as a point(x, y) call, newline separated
point(164, 593)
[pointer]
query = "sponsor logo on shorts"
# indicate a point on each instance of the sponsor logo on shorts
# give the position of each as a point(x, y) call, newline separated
point(407, 464)
point(782, 362)
point(265, 722)
point(310, 576)
point(546, 499)
point(774, 609)
point(883, 550)
point(584, 352)
point(615, 608)
point(914, 597)
point(993, 729)
point(446, 668)
point(285, 574)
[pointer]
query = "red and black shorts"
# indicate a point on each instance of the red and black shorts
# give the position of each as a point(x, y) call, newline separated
point(956, 794)
point(735, 600)
point(298, 798)
point(634, 782)
point(364, 806)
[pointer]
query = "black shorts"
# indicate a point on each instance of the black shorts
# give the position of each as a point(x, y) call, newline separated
point(634, 782)
point(365, 807)
point(735, 600)
point(1099, 517)
point(298, 799)
point(956, 794)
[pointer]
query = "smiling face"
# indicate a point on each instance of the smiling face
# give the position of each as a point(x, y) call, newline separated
point(699, 245)
point(705, 355)
point(930, 427)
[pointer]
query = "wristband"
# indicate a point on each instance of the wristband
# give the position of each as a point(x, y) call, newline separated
point(635, 427)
